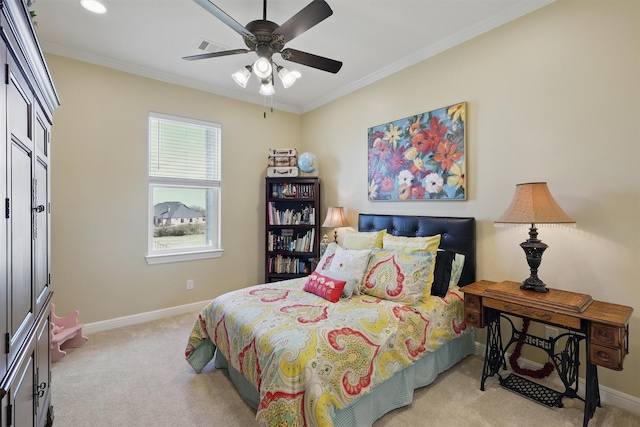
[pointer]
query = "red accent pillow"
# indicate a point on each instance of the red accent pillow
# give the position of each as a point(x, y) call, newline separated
point(324, 286)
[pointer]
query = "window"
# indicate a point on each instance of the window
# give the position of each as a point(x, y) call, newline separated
point(184, 189)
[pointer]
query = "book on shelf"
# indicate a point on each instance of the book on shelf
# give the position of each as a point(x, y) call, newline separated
point(286, 242)
point(305, 243)
point(306, 215)
point(285, 265)
point(292, 190)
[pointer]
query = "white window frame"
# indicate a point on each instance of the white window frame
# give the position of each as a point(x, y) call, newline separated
point(155, 256)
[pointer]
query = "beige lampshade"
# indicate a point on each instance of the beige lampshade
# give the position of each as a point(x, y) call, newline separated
point(335, 218)
point(533, 204)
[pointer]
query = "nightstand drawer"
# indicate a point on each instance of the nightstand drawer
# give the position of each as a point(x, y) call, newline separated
point(606, 335)
point(606, 356)
point(472, 302)
point(472, 318)
point(473, 311)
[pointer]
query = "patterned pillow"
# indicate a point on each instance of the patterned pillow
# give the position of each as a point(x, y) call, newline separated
point(324, 286)
point(456, 269)
point(327, 257)
point(363, 239)
point(411, 244)
point(352, 262)
point(398, 276)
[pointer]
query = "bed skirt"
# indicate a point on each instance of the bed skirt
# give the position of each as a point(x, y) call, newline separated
point(392, 394)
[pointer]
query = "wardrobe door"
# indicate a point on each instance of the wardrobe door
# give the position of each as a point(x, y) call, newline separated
point(43, 368)
point(21, 189)
point(4, 228)
point(20, 391)
point(41, 212)
point(21, 313)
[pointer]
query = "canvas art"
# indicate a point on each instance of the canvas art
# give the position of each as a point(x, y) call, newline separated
point(420, 157)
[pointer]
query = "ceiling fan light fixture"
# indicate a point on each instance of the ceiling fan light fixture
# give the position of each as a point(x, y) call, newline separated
point(242, 76)
point(267, 38)
point(93, 6)
point(262, 67)
point(266, 87)
point(288, 77)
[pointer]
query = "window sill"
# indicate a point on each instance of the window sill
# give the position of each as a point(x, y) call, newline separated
point(180, 257)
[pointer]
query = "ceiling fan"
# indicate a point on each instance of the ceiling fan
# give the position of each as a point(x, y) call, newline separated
point(266, 38)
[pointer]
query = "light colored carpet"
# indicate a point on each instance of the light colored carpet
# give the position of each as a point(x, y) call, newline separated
point(137, 376)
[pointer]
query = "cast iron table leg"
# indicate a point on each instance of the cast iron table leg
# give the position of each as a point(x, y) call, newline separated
point(592, 393)
point(494, 353)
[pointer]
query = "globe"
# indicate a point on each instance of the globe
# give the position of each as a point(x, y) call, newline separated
point(308, 162)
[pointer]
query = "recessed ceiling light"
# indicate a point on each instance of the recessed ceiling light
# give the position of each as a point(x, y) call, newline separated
point(93, 6)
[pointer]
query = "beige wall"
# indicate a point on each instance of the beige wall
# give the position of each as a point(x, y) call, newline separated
point(553, 96)
point(100, 192)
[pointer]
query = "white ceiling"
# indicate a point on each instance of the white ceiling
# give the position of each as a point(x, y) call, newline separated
point(373, 38)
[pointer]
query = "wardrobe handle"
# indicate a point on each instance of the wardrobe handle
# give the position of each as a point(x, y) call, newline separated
point(40, 389)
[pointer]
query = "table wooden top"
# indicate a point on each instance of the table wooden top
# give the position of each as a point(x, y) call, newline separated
point(557, 301)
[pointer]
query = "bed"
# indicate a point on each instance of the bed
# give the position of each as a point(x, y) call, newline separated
point(300, 359)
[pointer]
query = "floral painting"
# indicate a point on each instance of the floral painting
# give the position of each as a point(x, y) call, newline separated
point(421, 157)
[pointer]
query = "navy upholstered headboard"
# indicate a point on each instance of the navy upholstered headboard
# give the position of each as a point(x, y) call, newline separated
point(458, 234)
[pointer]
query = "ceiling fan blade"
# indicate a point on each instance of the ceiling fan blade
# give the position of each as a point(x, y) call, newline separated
point(311, 60)
point(215, 54)
point(314, 13)
point(221, 15)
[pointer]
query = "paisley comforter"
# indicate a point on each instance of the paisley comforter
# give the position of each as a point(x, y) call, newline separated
point(308, 357)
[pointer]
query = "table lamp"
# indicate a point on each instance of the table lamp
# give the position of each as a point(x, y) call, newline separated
point(533, 204)
point(335, 218)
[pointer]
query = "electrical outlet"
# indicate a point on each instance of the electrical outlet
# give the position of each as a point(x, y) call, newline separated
point(550, 332)
point(189, 284)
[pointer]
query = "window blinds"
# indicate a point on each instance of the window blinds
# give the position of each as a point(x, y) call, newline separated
point(184, 149)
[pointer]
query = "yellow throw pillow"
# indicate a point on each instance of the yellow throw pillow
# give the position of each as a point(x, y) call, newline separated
point(363, 239)
point(411, 244)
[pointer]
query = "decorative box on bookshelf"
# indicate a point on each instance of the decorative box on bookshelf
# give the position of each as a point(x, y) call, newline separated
point(292, 226)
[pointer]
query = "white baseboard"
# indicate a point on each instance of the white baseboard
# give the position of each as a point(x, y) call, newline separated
point(119, 322)
point(607, 395)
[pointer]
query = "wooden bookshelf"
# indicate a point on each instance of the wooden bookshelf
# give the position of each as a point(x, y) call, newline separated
point(292, 230)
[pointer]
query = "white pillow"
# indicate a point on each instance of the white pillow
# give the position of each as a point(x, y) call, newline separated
point(351, 261)
point(327, 257)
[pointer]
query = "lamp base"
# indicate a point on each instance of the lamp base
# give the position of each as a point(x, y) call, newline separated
point(533, 248)
point(534, 284)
